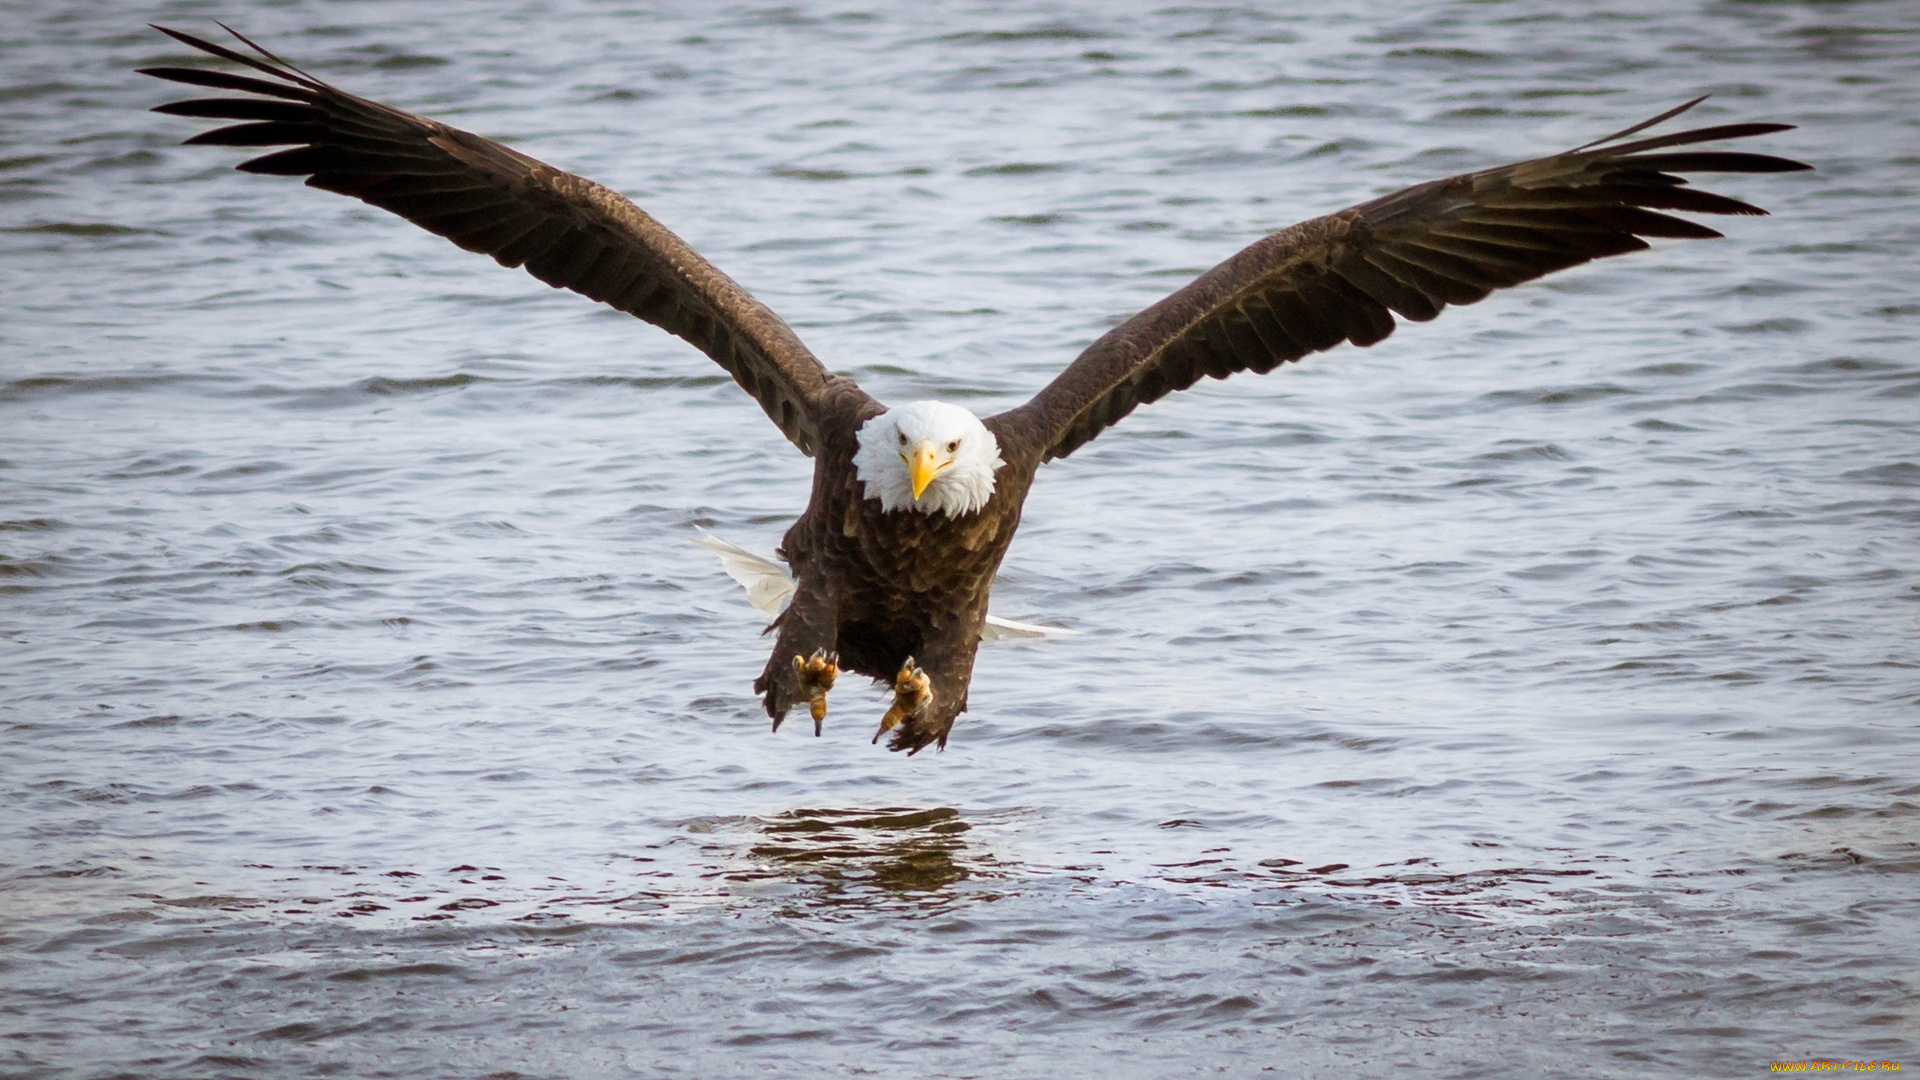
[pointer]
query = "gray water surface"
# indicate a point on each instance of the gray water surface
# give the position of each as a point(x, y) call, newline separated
point(1533, 693)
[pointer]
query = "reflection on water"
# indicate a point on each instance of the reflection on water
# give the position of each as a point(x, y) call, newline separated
point(863, 858)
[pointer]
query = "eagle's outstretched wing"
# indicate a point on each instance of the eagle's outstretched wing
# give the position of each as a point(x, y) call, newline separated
point(566, 230)
point(1343, 277)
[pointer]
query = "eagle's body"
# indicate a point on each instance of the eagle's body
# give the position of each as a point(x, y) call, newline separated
point(880, 587)
point(914, 506)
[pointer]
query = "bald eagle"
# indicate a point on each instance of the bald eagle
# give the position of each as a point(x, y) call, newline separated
point(914, 505)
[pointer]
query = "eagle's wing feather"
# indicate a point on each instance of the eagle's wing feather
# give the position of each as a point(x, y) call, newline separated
point(1344, 276)
point(566, 230)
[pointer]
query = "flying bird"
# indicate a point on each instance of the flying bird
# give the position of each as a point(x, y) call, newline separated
point(914, 505)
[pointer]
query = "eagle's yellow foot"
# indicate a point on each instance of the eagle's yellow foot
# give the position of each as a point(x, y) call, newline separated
point(912, 695)
point(817, 673)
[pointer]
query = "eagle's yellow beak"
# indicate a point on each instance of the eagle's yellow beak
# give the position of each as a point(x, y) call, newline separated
point(923, 466)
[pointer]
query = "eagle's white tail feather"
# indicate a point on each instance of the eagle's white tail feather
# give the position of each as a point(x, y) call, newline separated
point(769, 587)
point(999, 629)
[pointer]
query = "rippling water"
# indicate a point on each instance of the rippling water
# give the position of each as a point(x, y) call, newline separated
point(1533, 692)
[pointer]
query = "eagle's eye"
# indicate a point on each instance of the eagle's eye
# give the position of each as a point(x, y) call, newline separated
point(903, 438)
point(952, 446)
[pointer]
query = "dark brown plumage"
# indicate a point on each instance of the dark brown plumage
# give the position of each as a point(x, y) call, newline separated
point(903, 591)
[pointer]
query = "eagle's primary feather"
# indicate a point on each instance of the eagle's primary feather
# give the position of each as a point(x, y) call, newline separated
point(914, 507)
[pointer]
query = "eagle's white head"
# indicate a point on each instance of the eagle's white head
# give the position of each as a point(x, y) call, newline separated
point(927, 456)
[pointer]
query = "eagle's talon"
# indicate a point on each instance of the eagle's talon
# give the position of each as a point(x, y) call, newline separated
point(816, 674)
point(912, 695)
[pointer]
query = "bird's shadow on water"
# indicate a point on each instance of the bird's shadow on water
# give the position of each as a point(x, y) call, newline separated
point(842, 862)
